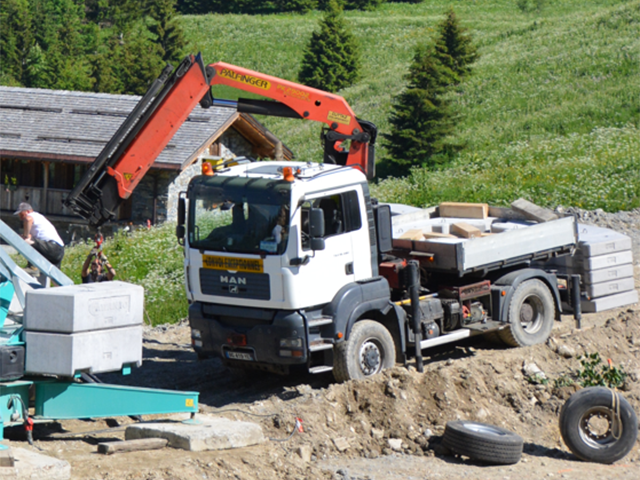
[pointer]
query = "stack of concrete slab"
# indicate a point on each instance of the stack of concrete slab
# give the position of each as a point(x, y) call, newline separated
point(605, 263)
point(92, 328)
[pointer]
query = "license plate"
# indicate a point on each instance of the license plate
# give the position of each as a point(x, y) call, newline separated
point(239, 356)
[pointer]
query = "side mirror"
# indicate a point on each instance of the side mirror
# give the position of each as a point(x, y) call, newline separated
point(317, 244)
point(180, 231)
point(316, 225)
point(182, 209)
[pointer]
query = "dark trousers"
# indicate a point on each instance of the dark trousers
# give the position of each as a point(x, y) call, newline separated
point(50, 250)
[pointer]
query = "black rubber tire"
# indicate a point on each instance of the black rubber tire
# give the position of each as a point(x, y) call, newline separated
point(480, 441)
point(369, 350)
point(493, 337)
point(531, 314)
point(601, 446)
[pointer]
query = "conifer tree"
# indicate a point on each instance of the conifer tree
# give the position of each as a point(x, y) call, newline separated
point(15, 40)
point(169, 33)
point(454, 46)
point(421, 115)
point(299, 6)
point(331, 59)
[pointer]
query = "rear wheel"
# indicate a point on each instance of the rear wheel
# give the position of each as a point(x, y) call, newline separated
point(368, 351)
point(531, 314)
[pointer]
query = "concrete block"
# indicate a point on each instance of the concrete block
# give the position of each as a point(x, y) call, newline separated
point(607, 274)
point(594, 241)
point(505, 213)
point(463, 210)
point(533, 211)
point(96, 352)
point(605, 261)
point(81, 308)
point(211, 433)
point(6, 458)
point(610, 288)
point(607, 303)
point(32, 465)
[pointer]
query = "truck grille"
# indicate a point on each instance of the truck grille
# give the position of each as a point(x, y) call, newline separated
point(238, 285)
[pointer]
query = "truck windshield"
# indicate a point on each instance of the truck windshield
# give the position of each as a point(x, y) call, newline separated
point(240, 214)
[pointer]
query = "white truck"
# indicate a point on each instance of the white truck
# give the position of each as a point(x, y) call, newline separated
point(293, 264)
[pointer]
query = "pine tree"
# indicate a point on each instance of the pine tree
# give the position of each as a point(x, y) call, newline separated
point(331, 59)
point(15, 40)
point(165, 27)
point(421, 116)
point(454, 46)
point(299, 6)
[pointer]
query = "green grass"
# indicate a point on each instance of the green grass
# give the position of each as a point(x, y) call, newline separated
point(151, 258)
point(542, 78)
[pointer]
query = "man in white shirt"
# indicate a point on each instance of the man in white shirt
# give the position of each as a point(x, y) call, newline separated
point(40, 234)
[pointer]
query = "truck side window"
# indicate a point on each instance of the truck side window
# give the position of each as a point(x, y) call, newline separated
point(341, 214)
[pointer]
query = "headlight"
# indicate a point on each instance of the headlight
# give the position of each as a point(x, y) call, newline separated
point(295, 342)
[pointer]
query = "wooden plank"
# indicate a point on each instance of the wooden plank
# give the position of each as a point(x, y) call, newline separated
point(430, 235)
point(109, 448)
point(415, 234)
point(464, 230)
point(533, 211)
point(504, 212)
point(463, 210)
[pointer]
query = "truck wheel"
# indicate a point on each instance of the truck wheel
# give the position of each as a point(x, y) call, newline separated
point(531, 314)
point(487, 443)
point(598, 425)
point(368, 351)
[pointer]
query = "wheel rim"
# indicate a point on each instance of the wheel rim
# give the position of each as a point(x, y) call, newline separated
point(370, 357)
point(532, 314)
point(596, 427)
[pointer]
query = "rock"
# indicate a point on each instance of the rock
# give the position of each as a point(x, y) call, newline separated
point(395, 443)
point(304, 452)
point(30, 464)
point(428, 433)
point(482, 414)
point(341, 443)
point(566, 351)
point(377, 433)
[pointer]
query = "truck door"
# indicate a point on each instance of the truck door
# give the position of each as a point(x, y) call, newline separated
point(335, 266)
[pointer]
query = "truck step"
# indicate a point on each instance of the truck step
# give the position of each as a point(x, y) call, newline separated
point(318, 322)
point(446, 338)
point(320, 369)
point(485, 327)
point(320, 345)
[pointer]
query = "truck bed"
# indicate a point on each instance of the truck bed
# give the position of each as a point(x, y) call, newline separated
point(529, 241)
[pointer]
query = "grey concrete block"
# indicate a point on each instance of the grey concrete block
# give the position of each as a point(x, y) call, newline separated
point(211, 433)
point(610, 288)
point(32, 465)
point(594, 241)
point(533, 211)
point(590, 277)
point(612, 301)
point(81, 308)
point(96, 352)
point(605, 261)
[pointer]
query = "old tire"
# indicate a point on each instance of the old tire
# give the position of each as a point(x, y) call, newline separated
point(531, 314)
point(483, 442)
point(368, 351)
point(591, 429)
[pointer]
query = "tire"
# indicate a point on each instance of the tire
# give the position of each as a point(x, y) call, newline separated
point(369, 350)
point(531, 314)
point(480, 441)
point(589, 425)
point(493, 337)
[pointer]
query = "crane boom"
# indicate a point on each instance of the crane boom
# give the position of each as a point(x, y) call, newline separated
point(127, 157)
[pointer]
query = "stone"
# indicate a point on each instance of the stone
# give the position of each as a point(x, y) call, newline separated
point(341, 443)
point(209, 433)
point(6, 458)
point(30, 465)
point(304, 452)
point(377, 433)
point(395, 443)
point(566, 351)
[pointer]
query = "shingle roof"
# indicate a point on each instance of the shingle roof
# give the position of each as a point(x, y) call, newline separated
point(64, 125)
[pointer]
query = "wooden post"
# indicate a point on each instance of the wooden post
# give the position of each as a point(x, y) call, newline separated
point(45, 189)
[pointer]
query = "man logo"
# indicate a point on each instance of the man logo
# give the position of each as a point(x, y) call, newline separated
point(233, 289)
point(233, 280)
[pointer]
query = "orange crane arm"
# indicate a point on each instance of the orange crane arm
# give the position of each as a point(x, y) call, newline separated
point(145, 133)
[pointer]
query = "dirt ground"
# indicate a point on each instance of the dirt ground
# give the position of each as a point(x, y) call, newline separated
point(347, 426)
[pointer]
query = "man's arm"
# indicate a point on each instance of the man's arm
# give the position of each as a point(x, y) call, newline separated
point(85, 265)
point(111, 272)
point(27, 223)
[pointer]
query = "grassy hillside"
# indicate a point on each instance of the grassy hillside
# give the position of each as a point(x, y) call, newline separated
point(545, 80)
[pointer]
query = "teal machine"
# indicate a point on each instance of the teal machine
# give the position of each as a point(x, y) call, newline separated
point(33, 398)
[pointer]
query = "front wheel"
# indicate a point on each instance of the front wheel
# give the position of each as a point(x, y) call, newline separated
point(368, 351)
point(531, 314)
